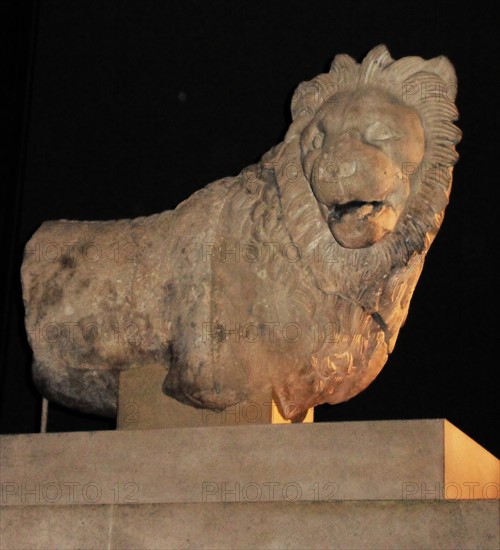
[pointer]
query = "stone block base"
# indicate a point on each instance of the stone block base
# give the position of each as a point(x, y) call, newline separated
point(391, 484)
point(264, 525)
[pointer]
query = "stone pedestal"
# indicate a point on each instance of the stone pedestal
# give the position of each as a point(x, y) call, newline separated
point(143, 406)
point(390, 484)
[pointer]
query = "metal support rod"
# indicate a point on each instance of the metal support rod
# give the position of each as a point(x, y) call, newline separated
point(45, 414)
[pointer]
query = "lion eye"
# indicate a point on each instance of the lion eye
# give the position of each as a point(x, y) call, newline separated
point(379, 132)
point(318, 140)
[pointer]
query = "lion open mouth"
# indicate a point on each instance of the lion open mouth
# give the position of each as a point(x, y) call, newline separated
point(361, 209)
point(357, 224)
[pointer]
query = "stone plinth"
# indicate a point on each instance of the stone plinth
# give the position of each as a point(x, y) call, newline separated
point(355, 525)
point(390, 484)
point(386, 460)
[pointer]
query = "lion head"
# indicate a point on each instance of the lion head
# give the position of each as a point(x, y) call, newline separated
point(352, 153)
point(377, 141)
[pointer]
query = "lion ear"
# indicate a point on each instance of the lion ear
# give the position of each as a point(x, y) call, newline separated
point(442, 67)
point(309, 96)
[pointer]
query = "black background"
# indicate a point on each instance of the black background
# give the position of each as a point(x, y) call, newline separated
point(124, 108)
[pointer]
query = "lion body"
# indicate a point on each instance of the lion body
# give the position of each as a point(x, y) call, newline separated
point(242, 291)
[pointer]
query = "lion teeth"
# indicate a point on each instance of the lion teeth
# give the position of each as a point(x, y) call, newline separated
point(364, 210)
point(360, 208)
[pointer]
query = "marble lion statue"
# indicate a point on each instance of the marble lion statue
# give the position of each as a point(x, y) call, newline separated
point(291, 279)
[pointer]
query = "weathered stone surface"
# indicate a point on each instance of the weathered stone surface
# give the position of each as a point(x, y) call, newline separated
point(390, 460)
point(354, 525)
point(291, 279)
point(391, 484)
